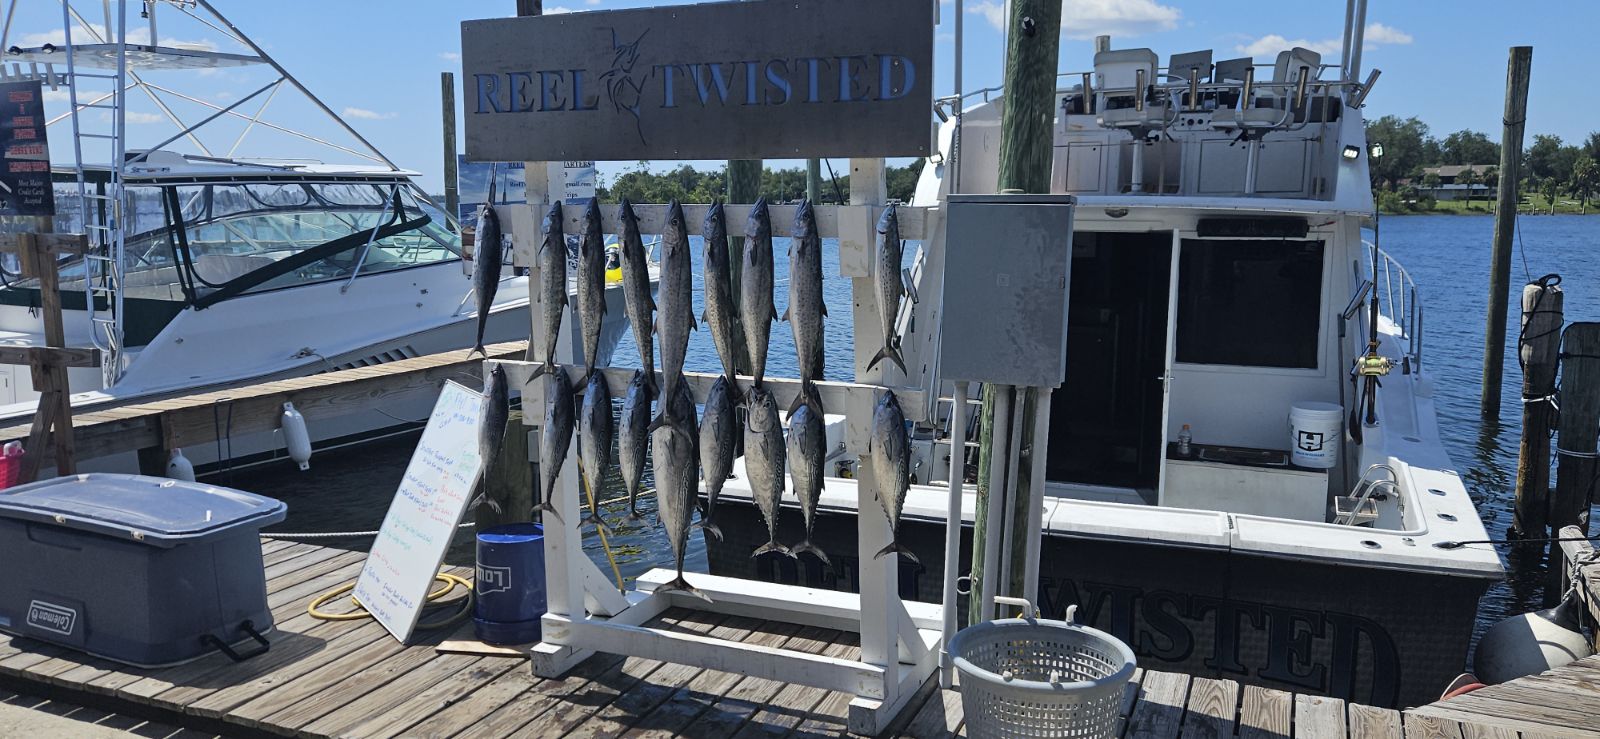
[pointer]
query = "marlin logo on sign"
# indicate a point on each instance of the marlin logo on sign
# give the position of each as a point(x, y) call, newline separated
point(51, 617)
point(1310, 441)
point(625, 91)
point(493, 579)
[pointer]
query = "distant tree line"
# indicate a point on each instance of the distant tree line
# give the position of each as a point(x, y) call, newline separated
point(1550, 167)
point(689, 185)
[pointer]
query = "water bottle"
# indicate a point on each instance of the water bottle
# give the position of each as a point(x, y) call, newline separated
point(1185, 440)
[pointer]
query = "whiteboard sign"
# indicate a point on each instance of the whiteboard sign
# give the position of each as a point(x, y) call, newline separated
point(422, 518)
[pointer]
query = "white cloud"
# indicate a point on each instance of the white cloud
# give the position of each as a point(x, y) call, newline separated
point(365, 114)
point(1085, 19)
point(558, 9)
point(450, 56)
point(944, 36)
point(1377, 35)
point(591, 3)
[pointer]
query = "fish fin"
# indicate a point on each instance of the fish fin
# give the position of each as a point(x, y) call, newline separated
point(659, 421)
point(775, 312)
point(824, 309)
point(536, 373)
point(705, 316)
point(634, 516)
point(599, 523)
point(806, 546)
point(681, 585)
point(771, 546)
point(890, 353)
point(896, 548)
point(711, 528)
point(653, 303)
point(799, 400)
point(785, 316)
point(545, 507)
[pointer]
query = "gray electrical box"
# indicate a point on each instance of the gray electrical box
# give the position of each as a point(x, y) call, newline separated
point(1007, 268)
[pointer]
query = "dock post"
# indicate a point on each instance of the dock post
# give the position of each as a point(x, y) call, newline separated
point(1580, 412)
point(447, 100)
point(1537, 348)
point(744, 186)
point(1505, 222)
point(814, 180)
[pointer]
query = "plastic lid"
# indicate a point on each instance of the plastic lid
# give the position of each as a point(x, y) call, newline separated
point(153, 510)
point(512, 533)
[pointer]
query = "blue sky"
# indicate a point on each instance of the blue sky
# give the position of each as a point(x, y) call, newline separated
point(379, 63)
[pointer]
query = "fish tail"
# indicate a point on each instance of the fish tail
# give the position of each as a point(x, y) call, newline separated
point(599, 523)
point(680, 585)
point(806, 546)
point(477, 348)
point(807, 396)
point(634, 516)
point(771, 546)
point(547, 508)
point(541, 369)
point(890, 353)
point(710, 528)
point(896, 548)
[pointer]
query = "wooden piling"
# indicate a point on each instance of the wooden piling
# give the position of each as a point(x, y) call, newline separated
point(447, 101)
point(1577, 468)
point(1538, 346)
point(814, 180)
point(1505, 221)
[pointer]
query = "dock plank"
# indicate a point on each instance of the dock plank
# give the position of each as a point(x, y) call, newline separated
point(530, 705)
point(1368, 722)
point(329, 686)
point(1265, 713)
point(262, 679)
point(1212, 708)
point(451, 719)
point(421, 688)
point(1483, 731)
point(1316, 717)
point(1158, 712)
point(794, 701)
point(1527, 706)
point(663, 682)
point(684, 705)
point(1431, 727)
point(728, 714)
point(939, 718)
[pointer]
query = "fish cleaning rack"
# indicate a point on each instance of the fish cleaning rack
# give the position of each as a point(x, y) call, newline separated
point(585, 613)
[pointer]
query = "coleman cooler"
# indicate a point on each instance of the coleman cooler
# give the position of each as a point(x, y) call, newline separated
point(141, 570)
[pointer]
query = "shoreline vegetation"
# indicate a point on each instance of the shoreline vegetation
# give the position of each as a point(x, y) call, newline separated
point(1419, 174)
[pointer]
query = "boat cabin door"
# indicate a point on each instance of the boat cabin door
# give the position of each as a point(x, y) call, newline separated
point(1167, 432)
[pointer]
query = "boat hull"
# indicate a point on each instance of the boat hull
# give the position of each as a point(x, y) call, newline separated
point(1374, 636)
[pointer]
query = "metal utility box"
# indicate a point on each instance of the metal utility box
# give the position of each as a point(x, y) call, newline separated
point(1007, 268)
point(141, 570)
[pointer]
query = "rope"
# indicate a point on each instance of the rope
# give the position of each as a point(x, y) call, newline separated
point(334, 534)
point(451, 582)
point(1579, 455)
point(1509, 542)
point(604, 543)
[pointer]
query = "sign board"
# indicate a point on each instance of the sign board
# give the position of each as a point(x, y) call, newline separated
point(25, 188)
point(726, 80)
point(422, 518)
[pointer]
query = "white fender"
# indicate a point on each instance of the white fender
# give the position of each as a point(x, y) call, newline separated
point(295, 436)
point(179, 467)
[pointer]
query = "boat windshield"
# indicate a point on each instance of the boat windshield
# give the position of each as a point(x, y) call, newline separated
point(206, 242)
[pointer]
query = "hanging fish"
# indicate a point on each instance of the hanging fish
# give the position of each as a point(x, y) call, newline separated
point(756, 311)
point(638, 301)
point(808, 448)
point(890, 448)
point(552, 292)
point(591, 287)
point(555, 437)
point(718, 435)
point(806, 309)
point(763, 462)
point(596, 427)
point(633, 439)
point(677, 478)
point(886, 278)
point(487, 260)
point(721, 315)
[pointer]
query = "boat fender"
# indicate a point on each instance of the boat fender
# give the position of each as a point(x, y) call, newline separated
point(179, 467)
point(295, 436)
point(1532, 643)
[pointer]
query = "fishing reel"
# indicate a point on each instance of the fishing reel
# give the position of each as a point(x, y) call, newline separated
point(1373, 365)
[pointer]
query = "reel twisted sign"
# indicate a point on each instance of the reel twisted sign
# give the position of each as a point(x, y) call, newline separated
point(750, 80)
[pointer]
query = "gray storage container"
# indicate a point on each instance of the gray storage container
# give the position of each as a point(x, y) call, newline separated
point(142, 570)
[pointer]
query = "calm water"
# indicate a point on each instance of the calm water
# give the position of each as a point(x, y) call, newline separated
point(1447, 256)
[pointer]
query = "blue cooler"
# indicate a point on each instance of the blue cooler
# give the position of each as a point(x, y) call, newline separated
point(141, 570)
point(510, 584)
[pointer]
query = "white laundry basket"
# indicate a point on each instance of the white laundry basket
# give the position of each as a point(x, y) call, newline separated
point(1033, 677)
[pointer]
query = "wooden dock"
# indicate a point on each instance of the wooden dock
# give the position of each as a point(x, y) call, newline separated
point(351, 679)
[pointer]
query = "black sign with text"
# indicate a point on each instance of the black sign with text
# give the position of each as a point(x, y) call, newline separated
point(25, 188)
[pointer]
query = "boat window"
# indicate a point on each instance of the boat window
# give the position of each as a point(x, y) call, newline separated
point(1252, 302)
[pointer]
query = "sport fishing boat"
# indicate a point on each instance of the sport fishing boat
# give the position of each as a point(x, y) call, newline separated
point(224, 269)
point(1229, 488)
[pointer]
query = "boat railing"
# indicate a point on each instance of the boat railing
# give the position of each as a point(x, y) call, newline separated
point(1400, 298)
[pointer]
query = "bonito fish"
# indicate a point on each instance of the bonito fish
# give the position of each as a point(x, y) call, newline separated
point(675, 318)
point(555, 437)
point(756, 311)
point(763, 462)
point(596, 428)
point(890, 448)
point(886, 275)
point(487, 259)
point(638, 301)
point(552, 293)
point(806, 310)
point(718, 436)
point(491, 432)
point(677, 478)
point(633, 439)
point(808, 448)
point(591, 287)
point(720, 315)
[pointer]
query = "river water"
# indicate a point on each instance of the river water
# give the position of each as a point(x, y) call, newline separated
point(1448, 257)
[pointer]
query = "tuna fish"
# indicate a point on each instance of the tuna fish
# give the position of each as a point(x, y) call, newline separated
point(487, 259)
point(721, 315)
point(596, 427)
point(555, 436)
point(552, 293)
point(763, 462)
point(886, 275)
point(633, 438)
point(675, 318)
point(808, 448)
point(673, 445)
point(806, 310)
point(890, 449)
point(718, 435)
point(638, 301)
point(491, 432)
point(756, 311)
point(591, 286)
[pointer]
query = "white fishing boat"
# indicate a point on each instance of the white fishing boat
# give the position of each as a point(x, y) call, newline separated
point(1244, 473)
point(225, 269)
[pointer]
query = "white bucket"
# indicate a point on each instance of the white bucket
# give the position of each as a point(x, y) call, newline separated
point(1316, 431)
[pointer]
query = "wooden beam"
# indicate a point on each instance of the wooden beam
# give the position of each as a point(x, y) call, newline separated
point(1579, 558)
point(15, 243)
point(66, 357)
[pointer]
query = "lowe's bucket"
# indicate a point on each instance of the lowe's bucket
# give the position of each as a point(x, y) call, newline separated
point(510, 584)
point(1316, 430)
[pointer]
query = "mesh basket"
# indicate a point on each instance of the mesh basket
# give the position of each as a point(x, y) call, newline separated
point(1040, 678)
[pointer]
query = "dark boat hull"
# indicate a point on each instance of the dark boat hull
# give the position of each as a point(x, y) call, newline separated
point(1374, 636)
